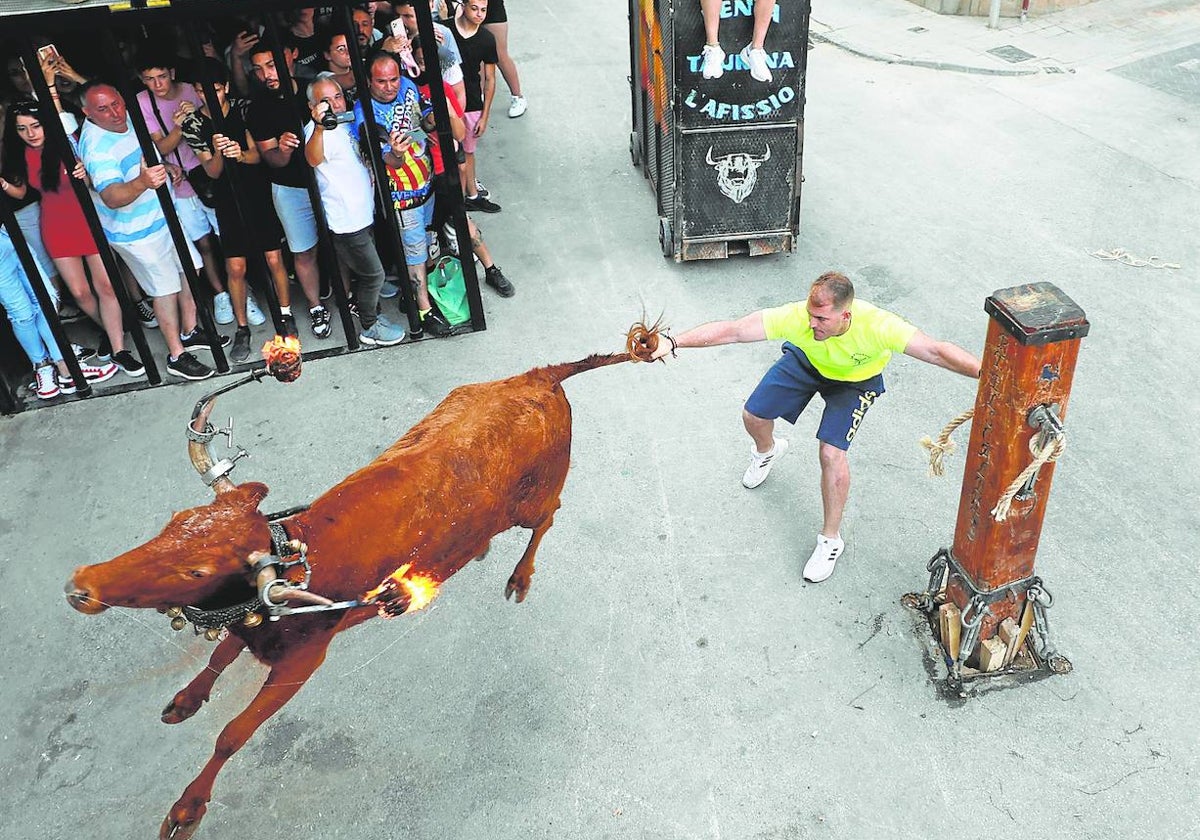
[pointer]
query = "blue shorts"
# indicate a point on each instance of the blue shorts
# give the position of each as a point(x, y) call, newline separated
point(296, 214)
point(413, 222)
point(789, 385)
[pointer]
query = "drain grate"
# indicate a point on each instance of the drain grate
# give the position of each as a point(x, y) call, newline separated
point(917, 29)
point(1011, 54)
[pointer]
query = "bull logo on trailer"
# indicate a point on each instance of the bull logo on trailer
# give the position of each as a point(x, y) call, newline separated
point(737, 173)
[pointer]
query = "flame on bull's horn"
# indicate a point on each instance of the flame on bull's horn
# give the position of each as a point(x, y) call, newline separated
point(419, 589)
point(282, 354)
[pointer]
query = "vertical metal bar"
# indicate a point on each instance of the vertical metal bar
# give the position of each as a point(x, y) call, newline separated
point(231, 172)
point(326, 259)
point(9, 219)
point(55, 133)
point(441, 115)
point(375, 156)
point(200, 294)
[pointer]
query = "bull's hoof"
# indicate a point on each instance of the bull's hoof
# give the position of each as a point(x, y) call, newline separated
point(172, 830)
point(177, 711)
point(516, 586)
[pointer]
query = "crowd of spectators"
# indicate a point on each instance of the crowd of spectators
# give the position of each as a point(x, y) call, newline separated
point(239, 180)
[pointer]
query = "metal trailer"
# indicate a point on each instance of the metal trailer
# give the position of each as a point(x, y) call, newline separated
point(723, 156)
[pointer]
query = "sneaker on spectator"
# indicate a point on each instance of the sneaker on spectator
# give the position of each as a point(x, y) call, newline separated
point(757, 61)
point(94, 374)
point(761, 463)
point(436, 323)
point(481, 204)
point(821, 563)
point(435, 247)
point(383, 333)
point(188, 366)
point(104, 351)
point(46, 382)
point(714, 61)
point(480, 189)
point(198, 340)
point(129, 364)
point(145, 313)
point(516, 107)
point(223, 308)
point(82, 352)
point(320, 321)
point(389, 289)
point(289, 326)
point(254, 315)
point(495, 278)
point(241, 345)
point(450, 236)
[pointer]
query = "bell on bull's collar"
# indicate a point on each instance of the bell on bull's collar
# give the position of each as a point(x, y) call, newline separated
point(252, 619)
point(212, 633)
point(178, 622)
point(174, 612)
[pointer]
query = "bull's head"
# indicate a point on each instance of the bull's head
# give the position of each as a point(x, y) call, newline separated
point(737, 173)
point(202, 551)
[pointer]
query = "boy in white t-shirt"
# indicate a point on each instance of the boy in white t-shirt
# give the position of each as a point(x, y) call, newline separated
point(347, 197)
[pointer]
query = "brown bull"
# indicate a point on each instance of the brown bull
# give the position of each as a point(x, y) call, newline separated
point(498, 452)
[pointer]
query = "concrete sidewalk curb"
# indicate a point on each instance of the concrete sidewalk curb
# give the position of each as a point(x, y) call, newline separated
point(829, 37)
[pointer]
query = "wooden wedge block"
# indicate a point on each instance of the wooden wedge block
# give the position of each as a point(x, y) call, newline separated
point(991, 654)
point(949, 628)
point(1009, 632)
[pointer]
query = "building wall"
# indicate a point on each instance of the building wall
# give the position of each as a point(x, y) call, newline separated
point(1008, 8)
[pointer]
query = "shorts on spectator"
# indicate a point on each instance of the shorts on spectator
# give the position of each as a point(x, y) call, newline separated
point(197, 220)
point(154, 262)
point(470, 142)
point(296, 215)
point(787, 388)
point(413, 223)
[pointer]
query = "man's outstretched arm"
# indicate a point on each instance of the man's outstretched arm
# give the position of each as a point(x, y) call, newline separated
point(745, 329)
point(943, 354)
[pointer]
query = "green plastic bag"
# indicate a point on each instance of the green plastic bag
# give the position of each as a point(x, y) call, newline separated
point(448, 288)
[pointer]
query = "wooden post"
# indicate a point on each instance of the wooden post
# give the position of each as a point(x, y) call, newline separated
point(1028, 364)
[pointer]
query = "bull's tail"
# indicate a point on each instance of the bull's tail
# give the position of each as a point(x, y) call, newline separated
point(640, 343)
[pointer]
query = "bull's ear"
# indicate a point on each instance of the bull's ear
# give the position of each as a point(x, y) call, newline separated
point(246, 495)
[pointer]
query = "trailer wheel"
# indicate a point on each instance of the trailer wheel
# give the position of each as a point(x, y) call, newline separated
point(664, 237)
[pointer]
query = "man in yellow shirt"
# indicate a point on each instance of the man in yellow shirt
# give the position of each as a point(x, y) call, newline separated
point(834, 346)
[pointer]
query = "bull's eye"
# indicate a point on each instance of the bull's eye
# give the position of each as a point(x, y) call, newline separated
point(198, 573)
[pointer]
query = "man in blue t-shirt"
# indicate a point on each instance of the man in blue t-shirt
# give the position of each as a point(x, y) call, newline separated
point(834, 346)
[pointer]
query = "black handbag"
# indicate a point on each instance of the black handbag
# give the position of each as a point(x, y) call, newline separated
point(204, 185)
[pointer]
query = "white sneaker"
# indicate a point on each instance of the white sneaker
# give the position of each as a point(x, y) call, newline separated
point(46, 383)
point(223, 308)
point(714, 62)
point(517, 106)
point(757, 60)
point(254, 315)
point(761, 463)
point(824, 558)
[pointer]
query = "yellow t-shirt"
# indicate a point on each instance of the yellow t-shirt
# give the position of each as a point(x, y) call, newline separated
point(857, 354)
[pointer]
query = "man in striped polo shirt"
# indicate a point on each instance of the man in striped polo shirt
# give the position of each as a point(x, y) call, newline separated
point(135, 226)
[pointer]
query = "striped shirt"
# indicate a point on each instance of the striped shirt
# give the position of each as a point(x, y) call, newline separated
point(110, 158)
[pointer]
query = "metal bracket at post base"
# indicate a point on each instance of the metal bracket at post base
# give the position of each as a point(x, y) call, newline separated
point(1041, 658)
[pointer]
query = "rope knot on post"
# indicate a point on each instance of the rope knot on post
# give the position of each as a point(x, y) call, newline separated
point(941, 446)
point(1044, 455)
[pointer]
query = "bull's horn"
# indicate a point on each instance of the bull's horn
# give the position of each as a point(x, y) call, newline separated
point(708, 157)
point(198, 437)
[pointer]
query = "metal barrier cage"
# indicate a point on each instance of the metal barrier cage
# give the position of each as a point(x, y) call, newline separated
point(101, 41)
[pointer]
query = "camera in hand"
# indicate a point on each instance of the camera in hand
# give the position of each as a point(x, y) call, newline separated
point(330, 120)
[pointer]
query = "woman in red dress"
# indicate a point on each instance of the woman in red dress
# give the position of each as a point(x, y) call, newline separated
point(65, 232)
